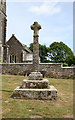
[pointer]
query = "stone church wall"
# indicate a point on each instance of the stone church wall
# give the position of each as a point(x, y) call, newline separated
point(15, 49)
point(55, 70)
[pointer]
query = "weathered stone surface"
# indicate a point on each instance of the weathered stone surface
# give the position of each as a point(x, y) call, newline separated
point(3, 26)
point(35, 76)
point(46, 68)
point(35, 84)
point(35, 27)
point(35, 87)
point(18, 53)
point(43, 94)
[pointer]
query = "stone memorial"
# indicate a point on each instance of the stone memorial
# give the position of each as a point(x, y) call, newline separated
point(35, 87)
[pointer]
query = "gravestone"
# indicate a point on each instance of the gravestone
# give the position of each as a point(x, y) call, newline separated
point(35, 87)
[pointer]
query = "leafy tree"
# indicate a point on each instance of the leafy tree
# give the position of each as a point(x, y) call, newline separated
point(70, 60)
point(43, 52)
point(58, 52)
point(31, 47)
point(65, 64)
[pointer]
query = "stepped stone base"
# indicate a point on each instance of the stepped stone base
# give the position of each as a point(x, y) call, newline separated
point(41, 94)
point(39, 84)
point(35, 88)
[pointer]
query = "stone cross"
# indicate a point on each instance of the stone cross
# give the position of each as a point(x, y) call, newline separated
point(35, 27)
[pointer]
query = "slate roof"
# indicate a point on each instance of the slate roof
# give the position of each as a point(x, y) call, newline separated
point(24, 47)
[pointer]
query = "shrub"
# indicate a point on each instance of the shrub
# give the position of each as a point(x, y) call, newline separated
point(65, 64)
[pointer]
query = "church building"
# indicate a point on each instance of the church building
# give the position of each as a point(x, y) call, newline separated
point(18, 52)
point(12, 51)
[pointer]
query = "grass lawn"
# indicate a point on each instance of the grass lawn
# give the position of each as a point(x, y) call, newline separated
point(21, 108)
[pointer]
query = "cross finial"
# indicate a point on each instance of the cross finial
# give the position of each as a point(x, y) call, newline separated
point(36, 27)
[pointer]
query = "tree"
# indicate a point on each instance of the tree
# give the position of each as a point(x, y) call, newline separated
point(70, 60)
point(31, 47)
point(43, 52)
point(58, 52)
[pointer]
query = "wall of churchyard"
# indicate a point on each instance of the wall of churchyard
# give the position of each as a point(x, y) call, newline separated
point(47, 69)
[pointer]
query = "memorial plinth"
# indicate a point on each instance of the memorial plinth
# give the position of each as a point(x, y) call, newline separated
point(40, 94)
point(35, 87)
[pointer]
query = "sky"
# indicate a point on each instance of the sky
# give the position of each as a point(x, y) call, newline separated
point(55, 18)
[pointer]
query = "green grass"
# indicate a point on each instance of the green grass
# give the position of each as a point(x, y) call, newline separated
point(21, 108)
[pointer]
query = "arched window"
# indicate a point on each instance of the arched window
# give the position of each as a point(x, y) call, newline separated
point(12, 58)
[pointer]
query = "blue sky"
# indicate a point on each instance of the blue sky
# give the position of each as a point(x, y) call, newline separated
point(56, 19)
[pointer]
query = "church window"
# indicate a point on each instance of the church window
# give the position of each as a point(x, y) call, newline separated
point(12, 58)
point(15, 58)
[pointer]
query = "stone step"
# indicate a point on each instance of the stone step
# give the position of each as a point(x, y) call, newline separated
point(35, 84)
point(35, 76)
point(41, 94)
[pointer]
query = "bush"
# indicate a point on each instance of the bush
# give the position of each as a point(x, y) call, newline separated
point(65, 64)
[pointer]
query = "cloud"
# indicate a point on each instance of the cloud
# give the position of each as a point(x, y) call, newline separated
point(48, 8)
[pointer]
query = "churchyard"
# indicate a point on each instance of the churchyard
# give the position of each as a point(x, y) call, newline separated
point(22, 108)
point(35, 96)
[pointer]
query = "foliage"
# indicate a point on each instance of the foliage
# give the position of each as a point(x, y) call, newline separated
point(43, 52)
point(31, 47)
point(55, 53)
point(70, 60)
point(58, 52)
point(65, 64)
point(24, 45)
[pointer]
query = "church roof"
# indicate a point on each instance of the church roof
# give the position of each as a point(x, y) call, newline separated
point(24, 46)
